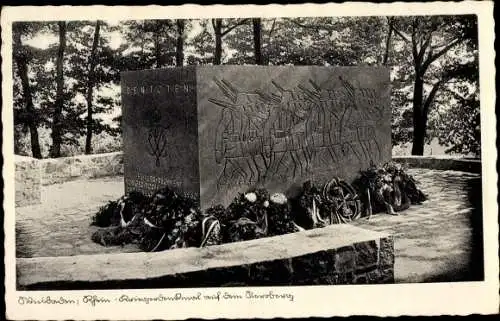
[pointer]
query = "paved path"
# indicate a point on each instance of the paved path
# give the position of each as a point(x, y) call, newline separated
point(433, 241)
point(60, 226)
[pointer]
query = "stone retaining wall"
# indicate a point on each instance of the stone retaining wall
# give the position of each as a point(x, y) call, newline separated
point(28, 181)
point(31, 173)
point(59, 170)
point(441, 163)
point(337, 254)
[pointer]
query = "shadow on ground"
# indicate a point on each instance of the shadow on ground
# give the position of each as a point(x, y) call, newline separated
point(475, 267)
point(22, 244)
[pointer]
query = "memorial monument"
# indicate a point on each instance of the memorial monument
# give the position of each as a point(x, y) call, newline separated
point(214, 131)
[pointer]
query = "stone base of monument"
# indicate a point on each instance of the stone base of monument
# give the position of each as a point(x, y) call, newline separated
point(337, 254)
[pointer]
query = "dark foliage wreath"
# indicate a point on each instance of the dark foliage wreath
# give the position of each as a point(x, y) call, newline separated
point(169, 220)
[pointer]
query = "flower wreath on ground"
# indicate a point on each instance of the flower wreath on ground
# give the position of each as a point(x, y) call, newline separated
point(169, 220)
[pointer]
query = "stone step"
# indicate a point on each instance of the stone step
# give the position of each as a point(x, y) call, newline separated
point(337, 254)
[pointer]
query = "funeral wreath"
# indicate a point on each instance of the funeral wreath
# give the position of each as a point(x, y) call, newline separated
point(169, 220)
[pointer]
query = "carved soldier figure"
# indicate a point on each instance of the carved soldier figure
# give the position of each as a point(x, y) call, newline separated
point(285, 134)
point(324, 124)
point(239, 142)
point(361, 124)
point(317, 125)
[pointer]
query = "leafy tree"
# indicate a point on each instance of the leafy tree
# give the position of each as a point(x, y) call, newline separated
point(88, 66)
point(433, 60)
point(460, 127)
point(458, 124)
point(151, 44)
point(431, 41)
point(257, 40)
point(23, 91)
point(42, 77)
point(203, 44)
point(310, 41)
point(222, 27)
point(344, 41)
point(179, 48)
point(91, 67)
point(90, 87)
point(55, 150)
point(387, 48)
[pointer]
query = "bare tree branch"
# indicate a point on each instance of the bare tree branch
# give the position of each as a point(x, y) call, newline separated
point(387, 43)
point(445, 79)
point(448, 81)
point(444, 42)
point(399, 33)
point(438, 54)
point(272, 30)
point(414, 49)
point(228, 30)
point(455, 94)
point(315, 27)
point(430, 98)
point(308, 26)
point(424, 47)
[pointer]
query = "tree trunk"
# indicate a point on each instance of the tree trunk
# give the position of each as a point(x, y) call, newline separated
point(419, 120)
point(257, 40)
point(217, 24)
point(22, 68)
point(157, 50)
point(387, 45)
point(55, 150)
point(90, 88)
point(179, 52)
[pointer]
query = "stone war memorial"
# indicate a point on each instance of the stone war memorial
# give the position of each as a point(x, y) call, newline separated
point(215, 131)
